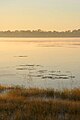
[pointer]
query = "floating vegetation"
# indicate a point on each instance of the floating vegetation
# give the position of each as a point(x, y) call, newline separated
point(34, 72)
point(30, 65)
point(39, 75)
point(42, 71)
point(58, 74)
point(39, 72)
point(51, 77)
point(52, 71)
point(21, 69)
point(72, 76)
point(61, 77)
point(21, 56)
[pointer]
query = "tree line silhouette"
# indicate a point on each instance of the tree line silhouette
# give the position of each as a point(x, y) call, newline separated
point(39, 33)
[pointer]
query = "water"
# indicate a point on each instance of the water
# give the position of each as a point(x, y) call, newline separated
point(40, 62)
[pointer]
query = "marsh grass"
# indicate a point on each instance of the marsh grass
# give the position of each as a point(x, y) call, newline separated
point(18, 105)
point(66, 94)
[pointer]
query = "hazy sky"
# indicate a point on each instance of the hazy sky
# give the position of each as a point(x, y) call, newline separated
point(43, 14)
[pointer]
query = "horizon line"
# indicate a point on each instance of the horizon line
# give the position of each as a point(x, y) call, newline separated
point(39, 30)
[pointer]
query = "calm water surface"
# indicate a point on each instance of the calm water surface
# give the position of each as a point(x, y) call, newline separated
point(40, 62)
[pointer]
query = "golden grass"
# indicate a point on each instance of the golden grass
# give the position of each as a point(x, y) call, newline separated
point(73, 94)
point(38, 104)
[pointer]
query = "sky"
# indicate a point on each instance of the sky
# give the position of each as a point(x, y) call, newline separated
point(52, 15)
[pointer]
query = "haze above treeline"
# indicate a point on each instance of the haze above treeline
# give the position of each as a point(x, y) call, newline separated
point(40, 33)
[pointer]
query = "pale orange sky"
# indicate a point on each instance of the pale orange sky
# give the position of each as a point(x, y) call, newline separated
point(39, 14)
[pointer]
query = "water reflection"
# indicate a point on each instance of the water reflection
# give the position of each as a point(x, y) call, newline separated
point(44, 63)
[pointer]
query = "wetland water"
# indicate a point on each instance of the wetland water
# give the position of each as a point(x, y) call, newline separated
point(40, 62)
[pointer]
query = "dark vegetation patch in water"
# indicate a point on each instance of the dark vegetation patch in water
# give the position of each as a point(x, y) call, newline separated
point(21, 68)
point(21, 56)
point(51, 77)
point(32, 69)
point(30, 65)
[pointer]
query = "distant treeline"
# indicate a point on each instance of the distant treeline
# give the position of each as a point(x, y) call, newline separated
point(40, 33)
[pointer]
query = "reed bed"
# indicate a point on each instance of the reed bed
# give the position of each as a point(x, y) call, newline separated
point(39, 104)
point(66, 94)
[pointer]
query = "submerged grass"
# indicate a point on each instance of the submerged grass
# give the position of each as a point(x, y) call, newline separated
point(39, 104)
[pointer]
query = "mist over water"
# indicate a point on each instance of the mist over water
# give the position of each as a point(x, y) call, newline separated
point(40, 62)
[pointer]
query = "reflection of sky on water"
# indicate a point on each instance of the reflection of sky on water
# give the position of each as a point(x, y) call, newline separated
point(50, 63)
